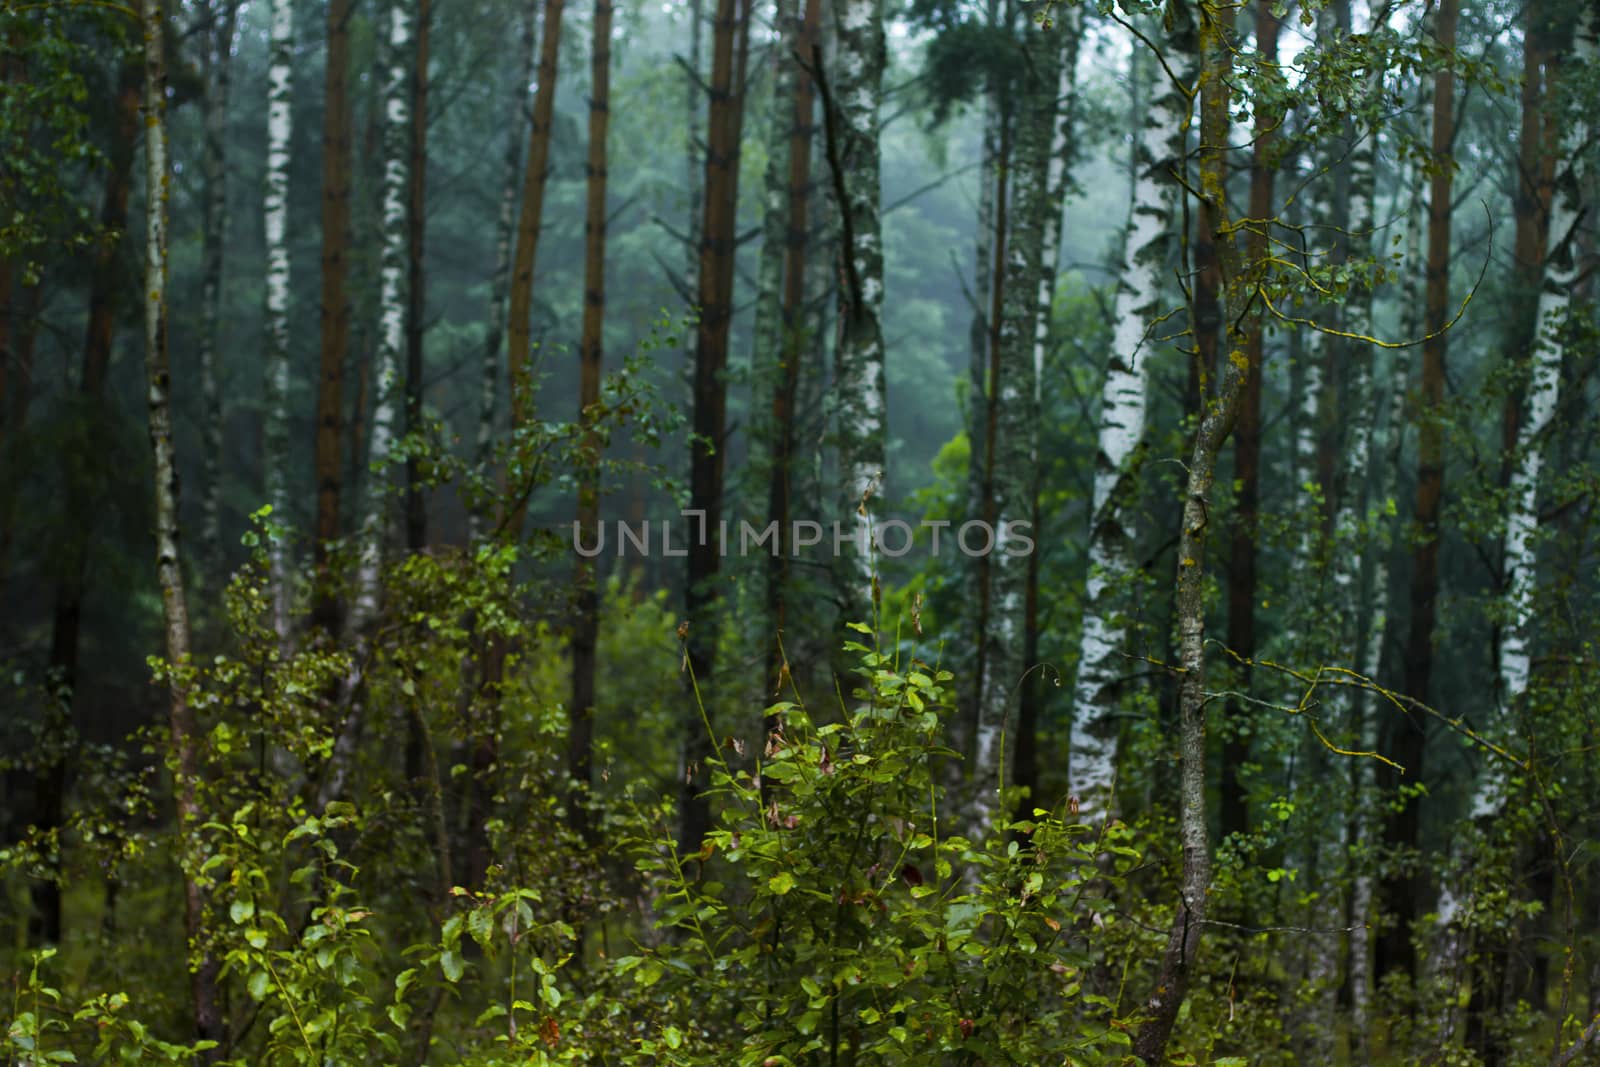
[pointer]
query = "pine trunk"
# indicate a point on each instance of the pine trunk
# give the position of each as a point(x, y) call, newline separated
point(105, 282)
point(580, 738)
point(1401, 890)
point(335, 310)
point(530, 218)
point(729, 51)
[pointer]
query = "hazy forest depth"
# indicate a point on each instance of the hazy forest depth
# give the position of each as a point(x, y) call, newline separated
point(800, 532)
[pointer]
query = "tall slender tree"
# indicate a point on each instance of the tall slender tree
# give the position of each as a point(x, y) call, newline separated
point(417, 303)
point(275, 213)
point(851, 106)
point(1013, 425)
point(217, 54)
point(375, 509)
point(730, 45)
point(504, 227)
point(335, 302)
point(181, 737)
point(1241, 632)
point(586, 629)
point(1402, 887)
point(1123, 404)
point(780, 302)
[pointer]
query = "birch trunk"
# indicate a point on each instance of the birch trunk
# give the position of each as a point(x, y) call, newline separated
point(169, 564)
point(214, 224)
point(1013, 388)
point(375, 512)
point(860, 388)
point(1161, 150)
point(1490, 792)
point(275, 212)
point(1216, 421)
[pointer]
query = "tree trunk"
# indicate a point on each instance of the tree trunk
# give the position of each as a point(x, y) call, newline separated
point(1242, 594)
point(1106, 624)
point(780, 310)
point(1014, 411)
point(169, 565)
point(1188, 919)
point(519, 341)
point(1063, 150)
point(489, 386)
point(851, 104)
point(730, 44)
point(417, 303)
point(580, 731)
point(275, 212)
point(214, 205)
point(104, 286)
point(1402, 889)
point(335, 310)
point(391, 339)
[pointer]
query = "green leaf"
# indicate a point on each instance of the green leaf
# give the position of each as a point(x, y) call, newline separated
point(260, 984)
point(780, 883)
point(241, 910)
point(673, 1036)
point(452, 965)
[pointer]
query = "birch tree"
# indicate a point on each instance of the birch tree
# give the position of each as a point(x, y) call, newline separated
point(860, 387)
point(375, 511)
point(182, 741)
point(275, 214)
point(1123, 399)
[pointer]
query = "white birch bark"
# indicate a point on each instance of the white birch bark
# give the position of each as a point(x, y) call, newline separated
point(1161, 147)
point(860, 387)
point(391, 309)
point(275, 210)
point(169, 561)
point(1490, 786)
point(391, 339)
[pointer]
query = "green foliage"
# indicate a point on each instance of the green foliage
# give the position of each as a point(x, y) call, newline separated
point(831, 916)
